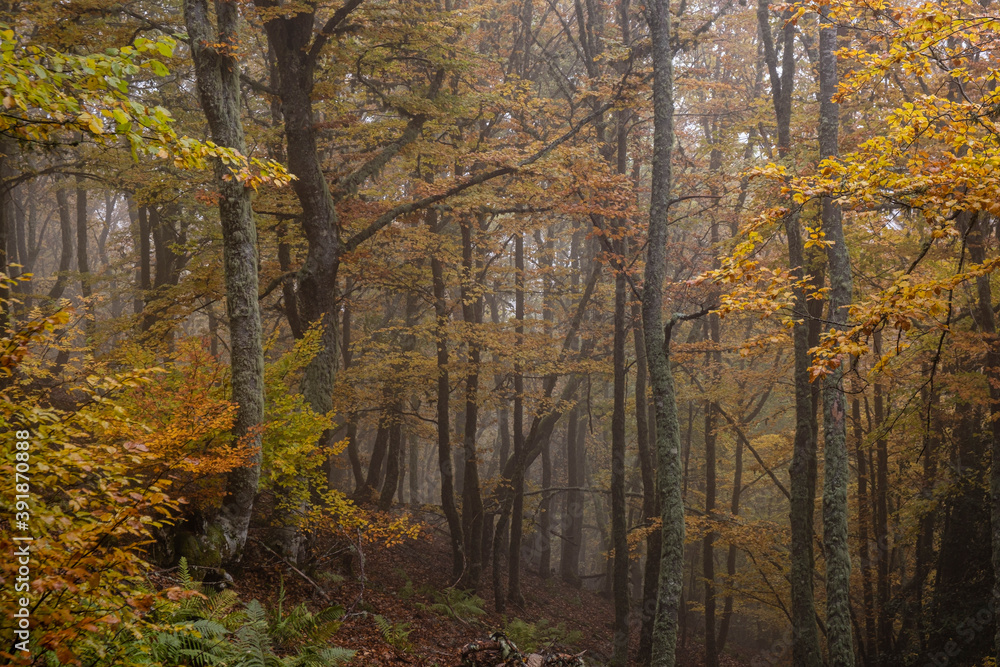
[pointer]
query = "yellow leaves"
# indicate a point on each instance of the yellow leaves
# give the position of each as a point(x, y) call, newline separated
point(80, 520)
point(50, 94)
point(816, 237)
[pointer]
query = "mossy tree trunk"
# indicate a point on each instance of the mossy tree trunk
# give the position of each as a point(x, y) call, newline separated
point(218, 78)
point(668, 443)
point(835, 475)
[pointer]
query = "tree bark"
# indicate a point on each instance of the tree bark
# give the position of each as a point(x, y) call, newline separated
point(864, 521)
point(217, 72)
point(545, 516)
point(805, 635)
point(734, 509)
point(647, 468)
point(472, 502)
point(569, 563)
point(517, 481)
point(708, 544)
point(884, 630)
point(619, 529)
point(546, 250)
point(392, 466)
point(7, 148)
point(986, 320)
point(657, 344)
point(347, 356)
point(835, 475)
point(82, 263)
point(66, 248)
point(443, 412)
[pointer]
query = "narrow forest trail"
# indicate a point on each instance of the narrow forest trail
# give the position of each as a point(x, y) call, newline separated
point(400, 585)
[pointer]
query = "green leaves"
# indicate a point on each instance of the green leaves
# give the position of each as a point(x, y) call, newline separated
point(51, 96)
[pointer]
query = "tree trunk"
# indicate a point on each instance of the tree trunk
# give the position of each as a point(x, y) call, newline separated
point(569, 562)
point(545, 516)
point(517, 481)
point(145, 266)
point(708, 543)
point(647, 469)
point(352, 419)
point(82, 263)
point(884, 631)
point(295, 52)
point(619, 529)
point(392, 467)
point(7, 148)
point(373, 480)
point(66, 248)
point(835, 474)
point(545, 511)
point(864, 519)
point(925, 541)
point(986, 320)
point(217, 71)
point(288, 296)
point(734, 509)
point(805, 635)
point(472, 502)
point(657, 346)
point(443, 412)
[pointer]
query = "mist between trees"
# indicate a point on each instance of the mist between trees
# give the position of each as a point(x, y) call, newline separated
point(688, 304)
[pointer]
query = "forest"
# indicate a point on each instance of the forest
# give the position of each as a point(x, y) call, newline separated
point(499, 332)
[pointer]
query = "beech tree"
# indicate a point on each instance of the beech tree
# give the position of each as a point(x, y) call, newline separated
point(217, 71)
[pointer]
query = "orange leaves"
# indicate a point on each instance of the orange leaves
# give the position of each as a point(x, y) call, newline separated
point(90, 515)
point(178, 422)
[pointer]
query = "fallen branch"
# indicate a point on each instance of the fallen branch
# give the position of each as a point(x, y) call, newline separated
point(296, 570)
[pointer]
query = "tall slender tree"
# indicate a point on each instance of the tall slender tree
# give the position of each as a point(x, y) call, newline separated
point(668, 439)
point(214, 50)
point(835, 474)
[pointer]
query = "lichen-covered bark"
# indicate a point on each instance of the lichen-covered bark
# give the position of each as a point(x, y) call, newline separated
point(217, 72)
point(657, 352)
point(835, 475)
point(7, 148)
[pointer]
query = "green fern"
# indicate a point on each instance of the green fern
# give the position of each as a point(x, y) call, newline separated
point(321, 657)
point(215, 630)
point(251, 647)
point(318, 628)
point(184, 575)
point(533, 636)
point(396, 635)
point(461, 605)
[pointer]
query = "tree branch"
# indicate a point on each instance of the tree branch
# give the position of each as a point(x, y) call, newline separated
point(390, 215)
point(331, 28)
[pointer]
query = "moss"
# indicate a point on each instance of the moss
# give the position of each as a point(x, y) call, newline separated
point(203, 552)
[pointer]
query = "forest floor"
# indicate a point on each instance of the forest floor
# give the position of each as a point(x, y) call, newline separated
point(399, 586)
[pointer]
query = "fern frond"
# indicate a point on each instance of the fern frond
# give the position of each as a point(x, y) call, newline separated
point(331, 656)
point(184, 574)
